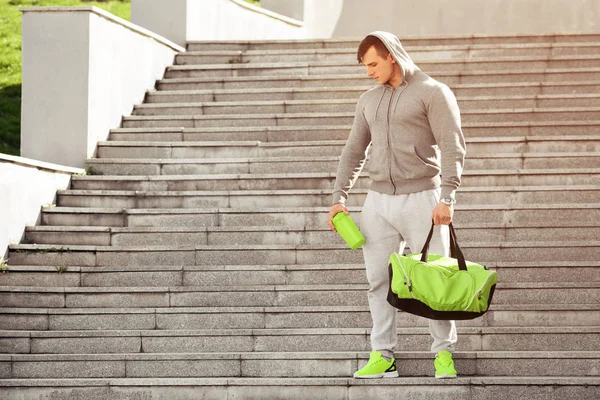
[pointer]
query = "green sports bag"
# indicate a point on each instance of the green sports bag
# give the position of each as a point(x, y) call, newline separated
point(438, 287)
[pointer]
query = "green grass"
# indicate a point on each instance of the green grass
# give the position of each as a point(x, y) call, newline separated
point(10, 60)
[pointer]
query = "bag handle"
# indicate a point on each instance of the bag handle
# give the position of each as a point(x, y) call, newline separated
point(455, 251)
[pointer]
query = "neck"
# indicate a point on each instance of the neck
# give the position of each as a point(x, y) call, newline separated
point(396, 79)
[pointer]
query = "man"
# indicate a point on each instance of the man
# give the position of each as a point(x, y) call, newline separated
point(407, 120)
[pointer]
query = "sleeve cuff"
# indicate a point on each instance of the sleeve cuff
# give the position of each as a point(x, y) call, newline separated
point(338, 198)
point(448, 192)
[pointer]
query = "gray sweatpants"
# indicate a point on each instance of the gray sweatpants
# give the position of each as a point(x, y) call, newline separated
point(389, 223)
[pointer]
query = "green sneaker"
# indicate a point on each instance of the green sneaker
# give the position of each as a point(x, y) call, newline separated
point(378, 367)
point(444, 365)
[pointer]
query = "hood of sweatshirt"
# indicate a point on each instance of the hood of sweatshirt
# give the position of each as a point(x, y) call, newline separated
point(392, 43)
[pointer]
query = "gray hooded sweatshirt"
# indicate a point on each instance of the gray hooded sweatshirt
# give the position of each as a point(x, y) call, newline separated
point(407, 128)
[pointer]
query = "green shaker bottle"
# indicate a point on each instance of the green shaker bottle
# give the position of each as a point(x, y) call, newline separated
point(348, 230)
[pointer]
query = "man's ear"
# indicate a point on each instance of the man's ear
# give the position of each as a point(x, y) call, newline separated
point(391, 58)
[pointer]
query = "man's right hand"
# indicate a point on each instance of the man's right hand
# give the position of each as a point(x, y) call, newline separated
point(336, 208)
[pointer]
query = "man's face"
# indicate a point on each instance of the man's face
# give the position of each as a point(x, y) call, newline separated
point(379, 68)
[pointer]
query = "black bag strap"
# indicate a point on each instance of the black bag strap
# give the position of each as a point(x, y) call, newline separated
point(455, 251)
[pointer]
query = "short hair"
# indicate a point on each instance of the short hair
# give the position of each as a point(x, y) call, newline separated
point(367, 43)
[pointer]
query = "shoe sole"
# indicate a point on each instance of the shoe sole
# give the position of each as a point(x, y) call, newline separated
point(445, 376)
point(391, 374)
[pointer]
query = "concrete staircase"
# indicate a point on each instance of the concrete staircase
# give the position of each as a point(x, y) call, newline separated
point(195, 261)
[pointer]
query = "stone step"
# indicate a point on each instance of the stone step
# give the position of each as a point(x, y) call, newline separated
point(340, 132)
point(463, 92)
point(297, 365)
point(162, 236)
point(345, 118)
point(194, 65)
point(289, 340)
point(417, 53)
point(185, 318)
point(476, 40)
point(465, 388)
point(267, 295)
point(72, 255)
point(212, 275)
point(507, 196)
point(301, 217)
point(268, 165)
point(480, 178)
point(349, 105)
point(479, 146)
point(188, 65)
point(357, 79)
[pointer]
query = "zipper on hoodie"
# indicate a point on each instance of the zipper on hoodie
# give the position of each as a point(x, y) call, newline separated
point(400, 89)
point(388, 139)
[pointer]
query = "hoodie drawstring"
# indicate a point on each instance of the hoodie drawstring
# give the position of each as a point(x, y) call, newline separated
point(396, 103)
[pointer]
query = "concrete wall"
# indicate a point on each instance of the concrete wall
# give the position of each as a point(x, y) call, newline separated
point(165, 18)
point(321, 17)
point(26, 186)
point(83, 69)
point(436, 17)
point(183, 20)
point(289, 8)
point(189, 20)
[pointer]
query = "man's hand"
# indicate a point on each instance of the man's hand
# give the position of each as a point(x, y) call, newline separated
point(442, 214)
point(336, 208)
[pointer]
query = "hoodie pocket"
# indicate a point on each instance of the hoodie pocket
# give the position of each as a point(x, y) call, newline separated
point(409, 165)
point(378, 163)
